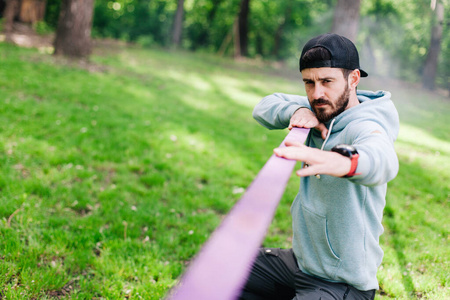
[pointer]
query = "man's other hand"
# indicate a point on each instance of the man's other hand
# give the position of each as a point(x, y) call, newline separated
point(305, 118)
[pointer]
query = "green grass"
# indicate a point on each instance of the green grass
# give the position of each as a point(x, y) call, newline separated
point(114, 174)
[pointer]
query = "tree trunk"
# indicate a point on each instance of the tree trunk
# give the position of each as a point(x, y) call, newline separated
point(9, 14)
point(237, 40)
point(32, 11)
point(226, 41)
point(346, 18)
point(243, 27)
point(73, 35)
point(178, 24)
point(277, 40)
point(431, 63)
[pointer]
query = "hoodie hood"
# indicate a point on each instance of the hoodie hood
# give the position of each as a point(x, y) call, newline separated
point(374, 106)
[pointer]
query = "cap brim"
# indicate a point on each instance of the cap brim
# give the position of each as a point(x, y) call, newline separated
point(363, 73)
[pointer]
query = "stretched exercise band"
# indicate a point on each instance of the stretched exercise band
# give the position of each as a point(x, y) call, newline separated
point(222, 266)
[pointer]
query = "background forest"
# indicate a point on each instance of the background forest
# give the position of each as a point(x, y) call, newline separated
point(395, 38)
point(126, 135)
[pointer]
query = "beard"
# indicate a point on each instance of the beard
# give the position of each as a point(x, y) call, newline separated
point(340, 105)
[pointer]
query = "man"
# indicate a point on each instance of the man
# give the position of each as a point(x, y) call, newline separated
point(348, 159)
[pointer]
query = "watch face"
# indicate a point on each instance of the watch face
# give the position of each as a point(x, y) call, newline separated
point(346, 150)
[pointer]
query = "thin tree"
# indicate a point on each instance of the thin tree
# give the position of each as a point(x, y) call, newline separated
point(73, 34)
point(241, 30)
point(431, 62)
point(9, 14)
point(346, 18)
point(178, 24)
point(231, 36)
point(237, 39)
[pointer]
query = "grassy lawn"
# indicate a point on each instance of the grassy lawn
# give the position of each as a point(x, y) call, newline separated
point(112, 176)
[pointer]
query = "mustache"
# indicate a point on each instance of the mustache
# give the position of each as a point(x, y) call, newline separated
point(321, 101)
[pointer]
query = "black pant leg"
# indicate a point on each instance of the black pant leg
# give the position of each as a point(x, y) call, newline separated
point(313, 288)
point(272, 276)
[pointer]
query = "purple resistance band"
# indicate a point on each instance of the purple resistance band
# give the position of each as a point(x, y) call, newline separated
point(221, 268)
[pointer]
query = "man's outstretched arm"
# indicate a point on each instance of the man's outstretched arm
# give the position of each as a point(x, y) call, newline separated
point(318, 161)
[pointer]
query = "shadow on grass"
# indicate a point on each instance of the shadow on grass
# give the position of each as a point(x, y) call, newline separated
point(398, 245)
point(414, 222)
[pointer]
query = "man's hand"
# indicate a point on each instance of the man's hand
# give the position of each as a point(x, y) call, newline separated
point(305, 118)
point(319, 162)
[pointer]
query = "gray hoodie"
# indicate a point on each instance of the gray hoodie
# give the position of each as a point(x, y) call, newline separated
point(337, 221)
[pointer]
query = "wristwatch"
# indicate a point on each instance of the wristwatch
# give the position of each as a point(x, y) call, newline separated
point(350, 152)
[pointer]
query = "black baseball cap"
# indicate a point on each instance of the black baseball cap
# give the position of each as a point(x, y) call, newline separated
point(343, 53)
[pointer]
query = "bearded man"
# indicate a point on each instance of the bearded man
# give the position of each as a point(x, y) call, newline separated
point(348, 158)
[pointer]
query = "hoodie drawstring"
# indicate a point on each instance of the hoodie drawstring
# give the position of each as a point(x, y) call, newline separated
point(326, 139)
point(328, 134)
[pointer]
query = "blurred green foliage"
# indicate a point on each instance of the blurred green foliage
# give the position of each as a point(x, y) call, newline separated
point(394, 36)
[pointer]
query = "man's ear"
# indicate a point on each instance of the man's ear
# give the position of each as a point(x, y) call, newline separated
point(353, 79)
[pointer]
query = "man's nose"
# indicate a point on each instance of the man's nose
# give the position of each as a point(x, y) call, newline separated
point(318, 92)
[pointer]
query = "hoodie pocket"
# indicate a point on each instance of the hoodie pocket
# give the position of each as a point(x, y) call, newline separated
point(324, 261)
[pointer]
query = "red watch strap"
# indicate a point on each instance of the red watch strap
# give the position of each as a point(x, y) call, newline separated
point(354, 165)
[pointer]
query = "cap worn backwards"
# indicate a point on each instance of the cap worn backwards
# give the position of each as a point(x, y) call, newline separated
point(343, 53)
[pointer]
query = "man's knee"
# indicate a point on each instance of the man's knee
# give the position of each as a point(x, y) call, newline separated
point(271, 276)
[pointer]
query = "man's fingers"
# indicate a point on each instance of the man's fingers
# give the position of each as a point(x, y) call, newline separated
point(299, 123)
point(303, 123)
point(303, 117)
point(321, 127)
point(289, 153)
point(311, 123)
point(295, 150)
point(290, 143)
point(307, 171)
point(323, 130)
point(316, 160)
